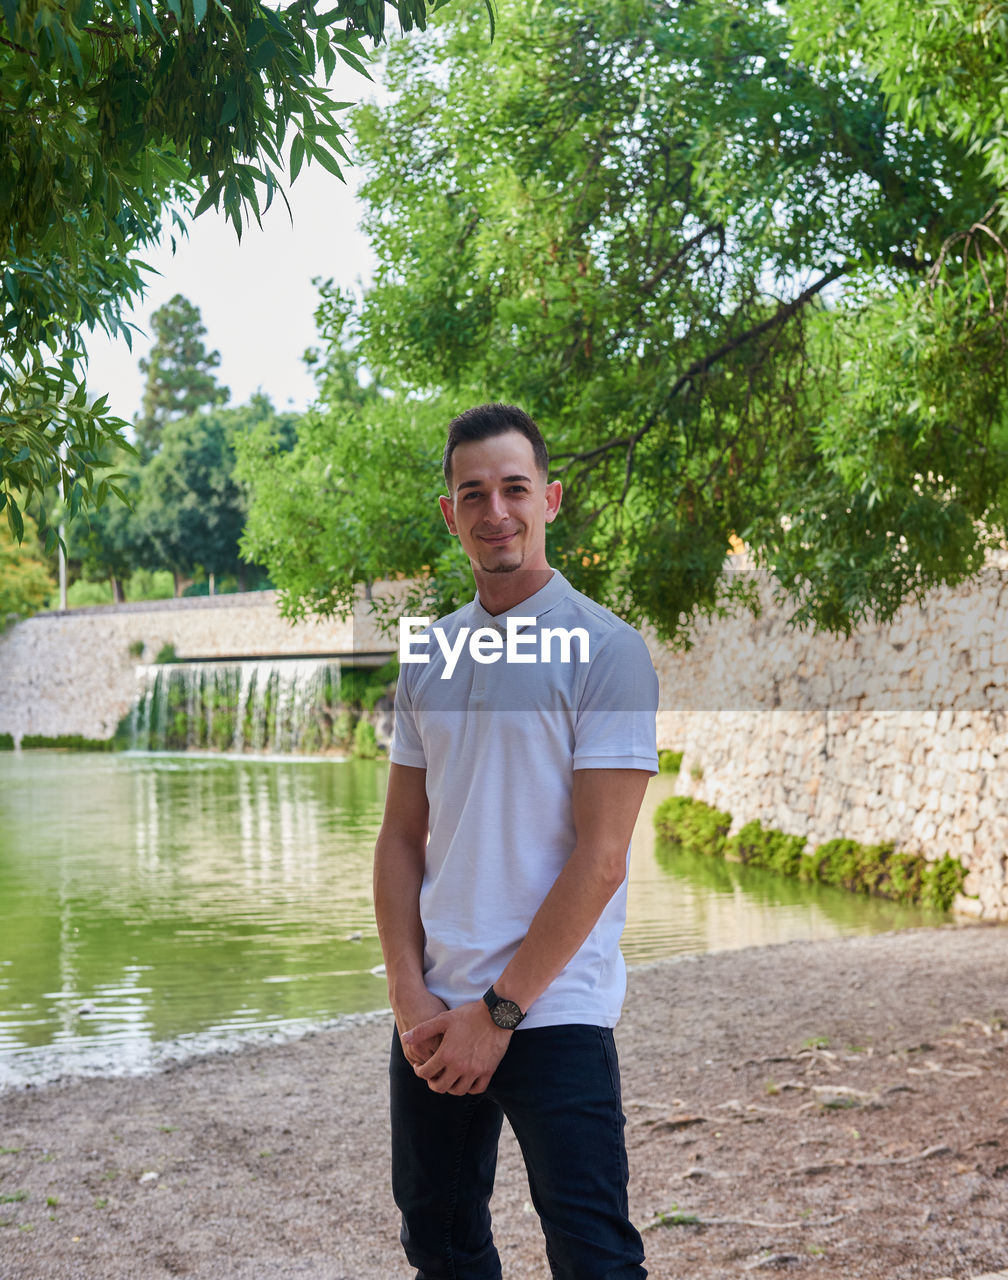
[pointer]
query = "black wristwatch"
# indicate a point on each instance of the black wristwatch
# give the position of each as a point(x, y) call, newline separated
point(505, 1013)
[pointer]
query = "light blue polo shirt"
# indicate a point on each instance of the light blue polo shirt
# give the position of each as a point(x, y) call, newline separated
point(500, 741)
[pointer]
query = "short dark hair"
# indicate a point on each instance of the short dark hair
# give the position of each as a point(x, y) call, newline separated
point(486, 420)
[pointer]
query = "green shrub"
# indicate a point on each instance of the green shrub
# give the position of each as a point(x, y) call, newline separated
point(311, 738)
point(365, 741)
point(693, 825)
point(146, 584)
point(136, 648)
point(65, 742)
point(906, 873)
point(342, 727)
point(6, 742)
point(166, 654)
point(941, 881)
point(363, 686)
point(669, 761)
point(763, 847)
point(861, 868)
point(82, 593)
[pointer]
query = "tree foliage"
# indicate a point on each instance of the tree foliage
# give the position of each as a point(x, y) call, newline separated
point(682, 247)
point(107, 543)
point(180, 378)
point(114, 115)
point(354, 500)
point(943, 67)
point(191, 507)
point(25, 581)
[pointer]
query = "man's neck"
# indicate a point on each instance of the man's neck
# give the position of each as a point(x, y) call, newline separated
point(502, 592)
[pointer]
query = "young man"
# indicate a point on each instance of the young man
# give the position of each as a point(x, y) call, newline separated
point(523, 745)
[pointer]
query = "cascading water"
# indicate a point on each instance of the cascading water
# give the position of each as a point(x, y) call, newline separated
point(284, 705)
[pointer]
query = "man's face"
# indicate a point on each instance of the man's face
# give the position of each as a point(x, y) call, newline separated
point(500, 505)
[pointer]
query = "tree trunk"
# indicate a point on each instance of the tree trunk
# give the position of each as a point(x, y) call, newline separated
point(118, 595)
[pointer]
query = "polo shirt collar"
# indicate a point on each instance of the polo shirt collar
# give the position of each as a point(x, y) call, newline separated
point(545, 599)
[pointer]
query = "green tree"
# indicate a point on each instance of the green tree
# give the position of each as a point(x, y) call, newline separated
point(108, 543)
point(927, 363)
point(25, 580)
point(113, 116)
point(353, 500)
point(191, 508)
point(676, 244)
point(179, 373)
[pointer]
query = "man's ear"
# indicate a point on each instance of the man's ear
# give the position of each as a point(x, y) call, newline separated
point(554, 495)
point(448, 511)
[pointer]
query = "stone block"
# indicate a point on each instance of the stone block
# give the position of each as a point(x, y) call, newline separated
point(968, 778)
point(964, 906)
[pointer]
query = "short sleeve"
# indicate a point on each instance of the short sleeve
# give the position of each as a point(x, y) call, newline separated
point(615, 726)
point(407, 745)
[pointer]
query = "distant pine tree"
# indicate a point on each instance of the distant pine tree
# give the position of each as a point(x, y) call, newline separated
point(179, 372)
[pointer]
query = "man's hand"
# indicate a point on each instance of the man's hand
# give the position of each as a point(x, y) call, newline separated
point(419, 1010)
point(467, 1048)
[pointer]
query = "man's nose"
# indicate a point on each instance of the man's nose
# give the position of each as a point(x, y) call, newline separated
point(496, 508)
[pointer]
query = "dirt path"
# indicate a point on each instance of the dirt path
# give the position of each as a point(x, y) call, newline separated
point(833, 1109)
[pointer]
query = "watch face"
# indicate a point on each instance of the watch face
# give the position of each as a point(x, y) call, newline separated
point(506, 1014)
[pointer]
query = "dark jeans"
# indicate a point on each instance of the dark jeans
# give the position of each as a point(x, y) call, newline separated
point(559, 1088)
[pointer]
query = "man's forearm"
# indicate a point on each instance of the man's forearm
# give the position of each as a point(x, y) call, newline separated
point(566, 917)
point(400, 854)
point(397, 880)
point(605, 804)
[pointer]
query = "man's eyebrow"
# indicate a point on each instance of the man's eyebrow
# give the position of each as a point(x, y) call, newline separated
point(476, 484)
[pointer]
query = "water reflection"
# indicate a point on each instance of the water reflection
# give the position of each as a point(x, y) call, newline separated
point(147, 901)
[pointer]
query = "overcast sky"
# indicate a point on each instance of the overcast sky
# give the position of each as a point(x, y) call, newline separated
point(256, 296)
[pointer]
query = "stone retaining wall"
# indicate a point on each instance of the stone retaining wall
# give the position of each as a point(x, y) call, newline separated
point(899, 733)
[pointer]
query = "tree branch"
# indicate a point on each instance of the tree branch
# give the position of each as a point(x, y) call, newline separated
point(703, 365)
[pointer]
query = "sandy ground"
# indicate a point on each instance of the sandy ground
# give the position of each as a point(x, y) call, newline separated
point(827, 1109)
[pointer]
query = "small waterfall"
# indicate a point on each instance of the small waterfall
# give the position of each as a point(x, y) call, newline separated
point(285, 705)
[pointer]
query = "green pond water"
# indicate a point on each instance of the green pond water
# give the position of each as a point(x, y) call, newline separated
point(156, 906)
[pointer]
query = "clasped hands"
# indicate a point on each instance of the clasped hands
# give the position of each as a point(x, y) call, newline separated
point(457, 1050)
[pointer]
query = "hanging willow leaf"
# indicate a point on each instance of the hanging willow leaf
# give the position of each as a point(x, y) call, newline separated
point(115, 113)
